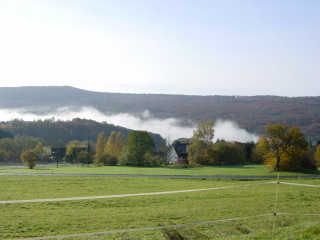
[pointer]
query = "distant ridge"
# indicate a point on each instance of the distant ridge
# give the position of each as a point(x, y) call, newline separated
point(250, 112)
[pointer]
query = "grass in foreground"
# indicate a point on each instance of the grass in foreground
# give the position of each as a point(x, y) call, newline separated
point(240, 170)
point(86, 216)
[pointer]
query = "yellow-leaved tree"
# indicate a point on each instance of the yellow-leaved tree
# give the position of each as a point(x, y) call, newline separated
point(115, 144)
point(200, 147)
point(29, 158)
point(100, 156)
point(284, 148)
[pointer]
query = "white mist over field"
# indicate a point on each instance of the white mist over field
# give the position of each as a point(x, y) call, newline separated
point(170, 128)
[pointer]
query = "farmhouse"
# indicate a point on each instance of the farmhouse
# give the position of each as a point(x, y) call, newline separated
point(58, 152)
point(178, 150)
point(61, 152)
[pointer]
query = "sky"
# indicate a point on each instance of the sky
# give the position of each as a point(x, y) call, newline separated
point(197, 47)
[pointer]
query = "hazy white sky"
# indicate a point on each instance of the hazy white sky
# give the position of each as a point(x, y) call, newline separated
point(202, 47)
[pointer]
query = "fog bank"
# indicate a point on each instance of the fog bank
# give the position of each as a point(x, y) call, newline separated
point(170, 128)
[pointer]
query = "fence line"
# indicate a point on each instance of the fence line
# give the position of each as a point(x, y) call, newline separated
point(159, 227)
point(275, 206)
point(299, 184)
point(299, 214)
point(145, 194)
point(124, 195)
point(142, 229)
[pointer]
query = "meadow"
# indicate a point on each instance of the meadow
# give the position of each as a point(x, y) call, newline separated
point(27, 220)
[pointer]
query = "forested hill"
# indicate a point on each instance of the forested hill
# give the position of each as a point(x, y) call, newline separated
point(59, 133)
point(251, 113)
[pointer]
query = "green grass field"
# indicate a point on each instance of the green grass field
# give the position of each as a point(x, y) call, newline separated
point(24, 220)
point(240, 170)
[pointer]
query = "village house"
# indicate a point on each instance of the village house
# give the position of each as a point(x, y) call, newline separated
point(178, 150)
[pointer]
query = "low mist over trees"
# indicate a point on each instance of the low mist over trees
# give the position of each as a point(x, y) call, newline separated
point(294, 111)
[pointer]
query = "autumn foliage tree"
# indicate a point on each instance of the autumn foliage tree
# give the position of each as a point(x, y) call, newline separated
point(284, 148)
point(100, 144)
point(200, 147)
point(108, 152)
point(29, 158)
point(73, 150)
point(115, 144)
point(39, 150)
point(99, 157)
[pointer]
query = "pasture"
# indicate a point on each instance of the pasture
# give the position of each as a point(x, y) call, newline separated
point(29, 220)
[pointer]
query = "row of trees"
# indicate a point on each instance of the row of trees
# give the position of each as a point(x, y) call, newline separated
point(281, 148)
point(12, 148)
point(137, 150)
point(202, 151)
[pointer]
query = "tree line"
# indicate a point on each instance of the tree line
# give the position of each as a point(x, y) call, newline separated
point(138, 149)
point(281, 148)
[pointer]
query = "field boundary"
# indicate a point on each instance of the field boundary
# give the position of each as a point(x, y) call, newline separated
point(144, 194)
point(124, 195)
point(162, 176)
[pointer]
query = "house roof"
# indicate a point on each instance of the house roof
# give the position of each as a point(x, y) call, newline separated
point(181, 141)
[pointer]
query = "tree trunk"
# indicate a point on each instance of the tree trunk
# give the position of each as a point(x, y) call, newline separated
point(277, 167)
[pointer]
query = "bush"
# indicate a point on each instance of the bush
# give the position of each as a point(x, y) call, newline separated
point(228, 153)
point(84, 158)
point(105, 159)
point(153, 160)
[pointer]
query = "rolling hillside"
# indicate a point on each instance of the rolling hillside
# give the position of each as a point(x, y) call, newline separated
point(251, 113)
